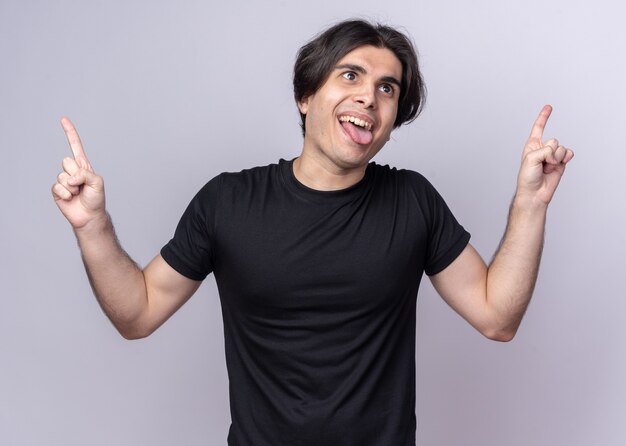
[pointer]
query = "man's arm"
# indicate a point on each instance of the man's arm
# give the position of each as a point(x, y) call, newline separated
point(136, 301)
point(493, 299)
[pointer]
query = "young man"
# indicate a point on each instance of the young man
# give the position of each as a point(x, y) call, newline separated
point(318, 260)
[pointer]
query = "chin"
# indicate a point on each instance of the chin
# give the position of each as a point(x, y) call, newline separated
point(354, 157)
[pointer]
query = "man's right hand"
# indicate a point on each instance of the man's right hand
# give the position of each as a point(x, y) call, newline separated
point(78, 191)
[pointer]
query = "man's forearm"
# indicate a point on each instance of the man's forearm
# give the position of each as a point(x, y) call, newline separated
point(513, 271)
point(117, 282)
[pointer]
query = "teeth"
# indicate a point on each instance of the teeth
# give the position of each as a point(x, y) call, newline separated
point(356, 121)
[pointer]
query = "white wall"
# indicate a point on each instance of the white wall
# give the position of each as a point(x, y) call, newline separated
point(167, 94)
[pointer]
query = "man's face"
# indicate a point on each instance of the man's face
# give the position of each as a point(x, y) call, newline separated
point(350, 118)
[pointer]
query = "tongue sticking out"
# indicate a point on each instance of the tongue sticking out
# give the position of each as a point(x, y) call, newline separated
point(358, 134)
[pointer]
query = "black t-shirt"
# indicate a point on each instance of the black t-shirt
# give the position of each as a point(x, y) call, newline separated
point(318, 292)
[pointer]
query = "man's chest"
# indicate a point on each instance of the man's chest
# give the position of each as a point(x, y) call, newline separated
point(297, 255)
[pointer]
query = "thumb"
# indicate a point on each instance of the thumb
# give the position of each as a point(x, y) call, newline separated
point(86, 177)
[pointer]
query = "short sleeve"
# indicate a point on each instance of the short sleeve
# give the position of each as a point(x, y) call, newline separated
point(447, 238)
point(189, 252)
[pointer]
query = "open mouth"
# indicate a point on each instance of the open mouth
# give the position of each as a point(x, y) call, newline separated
point(359, 130)
point(356, 121)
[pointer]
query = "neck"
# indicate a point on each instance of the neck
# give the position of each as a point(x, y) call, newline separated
point(318, 175)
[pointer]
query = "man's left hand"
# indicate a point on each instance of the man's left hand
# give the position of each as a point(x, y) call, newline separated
point(543, 164)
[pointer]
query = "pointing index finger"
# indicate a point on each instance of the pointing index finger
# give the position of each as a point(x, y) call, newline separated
point(536, 132)
point(75, 145)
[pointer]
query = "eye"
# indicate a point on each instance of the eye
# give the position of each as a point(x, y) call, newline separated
point(349, 75)
point(386, 88)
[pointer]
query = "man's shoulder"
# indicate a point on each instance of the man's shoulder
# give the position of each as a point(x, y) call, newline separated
point(245, 179)
point(405, 177)
point(254, 173)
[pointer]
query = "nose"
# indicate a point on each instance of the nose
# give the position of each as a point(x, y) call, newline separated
point(366, 95)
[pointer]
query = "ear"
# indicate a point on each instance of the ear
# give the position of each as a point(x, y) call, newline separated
point(303, 105)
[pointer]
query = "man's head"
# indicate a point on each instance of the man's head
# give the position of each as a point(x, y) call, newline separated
point(317, 59)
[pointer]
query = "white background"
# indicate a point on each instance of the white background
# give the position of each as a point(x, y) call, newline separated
point(167, 94)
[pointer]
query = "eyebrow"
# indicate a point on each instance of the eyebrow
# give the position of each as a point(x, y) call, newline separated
point(360, 69)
